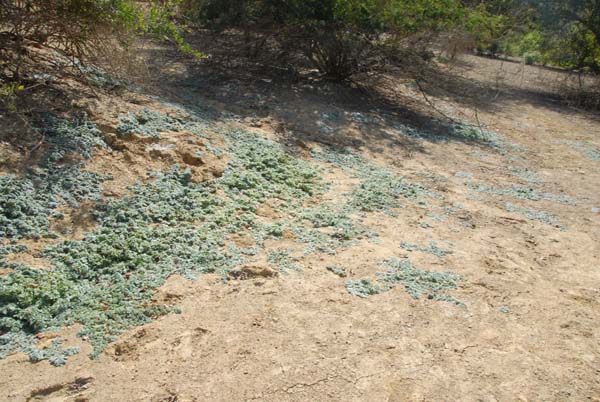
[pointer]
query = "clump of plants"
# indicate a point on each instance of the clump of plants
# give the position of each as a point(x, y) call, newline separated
point(148, 123)
point(417, 282)
point(383, 191)
point(432, 248)
point(57, 355)
point(337, 270)
point(586, 149)
point(24, 211)
point(99, 77)
point(167, 226)
point(526, 175)
point(337, 221)
point(533, 214)
point(521, 192)
point(261, 170)
point(380, 190)
point(27, 203)
point(364, 288)
point(284, 261)
point(64, 138)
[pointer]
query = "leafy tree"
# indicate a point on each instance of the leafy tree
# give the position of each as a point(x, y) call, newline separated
point(572, 30)
point(78, 28)
point(338, 37)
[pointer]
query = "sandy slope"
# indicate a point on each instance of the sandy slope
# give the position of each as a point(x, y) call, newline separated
point(530, 329)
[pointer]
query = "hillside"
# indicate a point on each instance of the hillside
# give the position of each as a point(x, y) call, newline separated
point(240, 237)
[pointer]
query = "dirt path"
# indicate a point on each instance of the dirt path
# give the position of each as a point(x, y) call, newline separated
point(531, 292)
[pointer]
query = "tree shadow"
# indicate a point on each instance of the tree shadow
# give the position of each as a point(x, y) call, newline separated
point(304, 107)
point(487, 84)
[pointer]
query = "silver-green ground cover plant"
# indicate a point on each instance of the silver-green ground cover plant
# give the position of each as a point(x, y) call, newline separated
point(416, 282)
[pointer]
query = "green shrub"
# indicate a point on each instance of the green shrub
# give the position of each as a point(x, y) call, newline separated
point(531, 58)
point(337, 37)
point(81, 30)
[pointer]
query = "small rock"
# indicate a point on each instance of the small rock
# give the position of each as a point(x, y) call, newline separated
point(254, 271)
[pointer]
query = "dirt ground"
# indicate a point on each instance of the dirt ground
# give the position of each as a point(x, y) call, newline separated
point(530, 328)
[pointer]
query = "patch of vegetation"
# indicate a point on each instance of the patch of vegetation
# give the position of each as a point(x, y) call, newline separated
point(283, 261)
point(337, 220)
point(536, 215)
point(344, 158)
point(167, 226)
point(521, 192)
point(416, 282)
point(451, 210)
point(380, 189)
point(589, 151)
point(57, 355)
point(28, 203)
point(337, 270)
point(473, 133)
point(432, 248)
point(321, 240)
point(107, 280)
point(465, 132)
point(364, 288)
point(262, 169)
point(100, 78)
point(70, 184)
point(526, 175)
point(337, 37)
point(64, 138)
point(330, 228)
point(171, 198)
point(148, 123)
point(24, 211)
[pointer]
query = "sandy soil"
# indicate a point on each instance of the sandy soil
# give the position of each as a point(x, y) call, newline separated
point(529, 332)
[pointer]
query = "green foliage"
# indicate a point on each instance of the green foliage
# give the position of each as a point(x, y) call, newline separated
point(562, 33)
point(54, 353)
point(99, 78)
point(283, 261)
point(416, 282)
point(148, 123)
point(337, 37)
point(81, 30)
point(536, 215)
point(337, 219)
point(586, 149)
point(8, 94)
point(364, 288)
point(465, 132)
point(337, 270)
point(380, 189)
point(572, 31)
point(522, 192)
point(27, 203)
point(24, 212)
point(170, 225)
point(64, 138)
point(262, 169)
point(526, 175)
point(162, 22)
point(493, 22)
point(432, 248)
